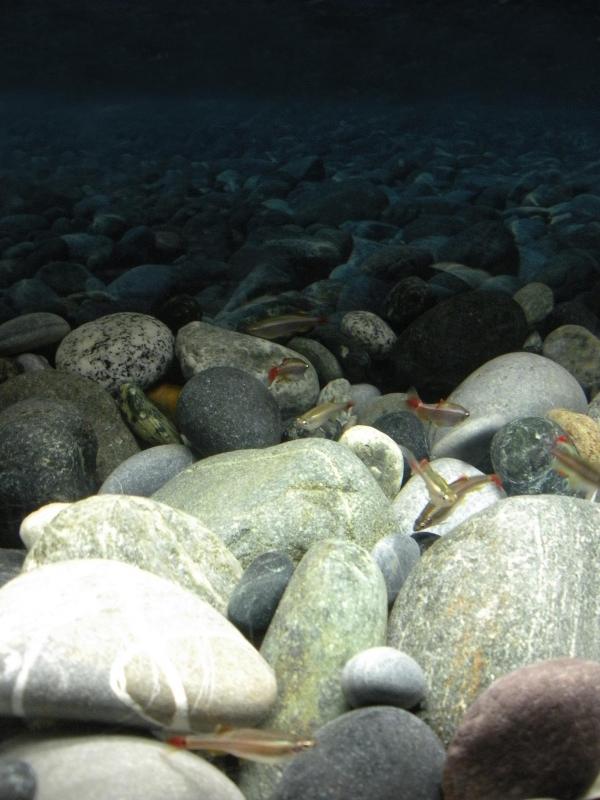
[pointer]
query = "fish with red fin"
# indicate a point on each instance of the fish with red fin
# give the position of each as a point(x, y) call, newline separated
point(443, 414)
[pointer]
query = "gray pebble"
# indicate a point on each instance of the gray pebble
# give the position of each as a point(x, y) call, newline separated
point(256, 597)
point(17, 780)
point(395, 556)
point(383, 676)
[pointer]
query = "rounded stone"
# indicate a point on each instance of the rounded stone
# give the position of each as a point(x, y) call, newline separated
point(377, 752)
point(537, 301)
point(395, 555)
point(577, 350)
point(145, 472)
point(256, 597)
point(126, 347)
point(371, 331)
point(383, 676)
point(31, 331)
point(533, 732)
point(224, 408)
point(380, 453)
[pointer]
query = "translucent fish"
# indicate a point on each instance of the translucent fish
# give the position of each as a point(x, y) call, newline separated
point(283, 325)
point(253, 744)
point(443, 414)
point(581, 474)
point(289, 367)
point(317, 416)
point(433, 514)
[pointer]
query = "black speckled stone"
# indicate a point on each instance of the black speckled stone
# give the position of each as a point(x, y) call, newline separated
point(47, 453)
point(406, 430)
point(254, 600)
point(520, 454)
point(17, 780)
point(224, 408)
point(374, 753)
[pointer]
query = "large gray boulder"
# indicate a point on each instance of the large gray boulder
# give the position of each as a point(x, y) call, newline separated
point(516, 583)
point(284, 497)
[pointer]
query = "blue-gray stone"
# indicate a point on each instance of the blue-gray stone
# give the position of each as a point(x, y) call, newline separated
point(376, 753)
point(256, 597)
point(395, 555)
point(145, 472)
point(17, 780)
point(383, 676)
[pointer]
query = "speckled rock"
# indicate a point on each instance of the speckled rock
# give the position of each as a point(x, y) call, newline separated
point(383, 676)
point(379, 453)
point(584, 431)
point(536, 300)
point(17, 780)
point(145, 472)
point(395, 556)
point(371, 331)
point(577, 350)
point(31, 331)
point(258, 592)
point(115, 441)
point(380, 753)
point(325, 363)
point(200, 346)
point(73, 767)
point(413, 497)
point(334, 606)
point(35, 523)
point(144, 533)
point(47, 452)
point(516, 583)
point(533, 732)
point(121, 645)
point(506, 388)
point(244, 497)
point(225, 408)
point(126, 347)
point(520, 454)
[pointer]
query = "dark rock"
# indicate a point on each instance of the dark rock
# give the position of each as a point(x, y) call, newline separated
point(407, 300)
point(487, 245)
point(68, 277)
point(534, 732)
point(425, 539)
point(335, 202)
point(254, 600)
point(177, 311)
point(17, 780)
point(570, 312)
point(395, 262)
point(224, 408)
point(377, 752)
point(405, 429)
point(446, 343)
point(47, 453)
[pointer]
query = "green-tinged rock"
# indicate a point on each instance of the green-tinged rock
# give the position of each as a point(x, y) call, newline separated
point(334, 607)
point(144, 533)
point(516, 583)
point(284, 497)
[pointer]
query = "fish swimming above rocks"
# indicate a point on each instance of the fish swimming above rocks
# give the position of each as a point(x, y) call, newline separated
point(319, 415)
point(254, 744)
point(581, 474)
point(440, 492)
point(433, 514)
point(443, 414)
point(283, 325)
point(289, 367)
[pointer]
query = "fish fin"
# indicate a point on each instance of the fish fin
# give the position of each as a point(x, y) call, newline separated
point(176, 741)
point(272, 374)
point(412, 398)
point(495, 478)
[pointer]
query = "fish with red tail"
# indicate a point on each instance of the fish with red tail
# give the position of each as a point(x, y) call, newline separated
point(319, 415)
point(443, 414)
point(440, 493)
point(289, 367)
point(580, 473)
point(433, 514)
point(254, 744)
point(283, 325)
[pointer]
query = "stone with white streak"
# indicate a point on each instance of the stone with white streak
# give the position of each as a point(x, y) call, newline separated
point(105, 641)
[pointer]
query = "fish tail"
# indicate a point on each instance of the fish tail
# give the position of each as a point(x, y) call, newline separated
point(177, 741)
point(495, 478)
point(273, 373)
point(412, 399)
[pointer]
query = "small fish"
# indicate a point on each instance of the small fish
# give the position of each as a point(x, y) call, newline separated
point(288, 367)
point(253, 744)
point(443, 414)
point(440, 493)
point(144, 419)
point(283, 325)
point(581, 474)
point(165, 396)
point(433, 514)
point(317, 416)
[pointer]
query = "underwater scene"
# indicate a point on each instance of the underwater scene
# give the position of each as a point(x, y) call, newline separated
point(300, 400)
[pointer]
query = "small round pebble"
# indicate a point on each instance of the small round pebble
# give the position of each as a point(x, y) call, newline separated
point(380, 453)
point(395, 555)
point(383, 676)
point(577, 350)
point(256, 597)
point(17, 780)
point(370, 331)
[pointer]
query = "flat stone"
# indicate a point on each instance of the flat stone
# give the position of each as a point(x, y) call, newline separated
point(375, 753)
point(126, 347)
point(334, 606)
point(118, 766)
point(147, 534)
point(380, 453)
point(534, 731)
point(283, 498)
point(105, 641)
point(508, 387)
point(31, 331)
point(514, 584)
point(145, 472)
